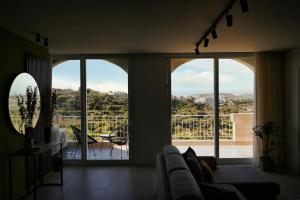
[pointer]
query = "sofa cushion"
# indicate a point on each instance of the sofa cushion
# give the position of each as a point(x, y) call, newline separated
point(250, 181)
point(170, 149)
point(195, 168)
point(175, 162)
point(220, 191)
point(207, 172)
point(184, 187)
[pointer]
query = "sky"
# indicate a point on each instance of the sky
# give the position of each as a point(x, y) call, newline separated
point(21, 82)
point(193, 77)
point(102, 76)
point(196, 77)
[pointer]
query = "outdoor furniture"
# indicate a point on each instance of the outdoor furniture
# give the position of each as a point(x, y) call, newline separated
point(77, 134)
point(119, 136)
point(104, 137)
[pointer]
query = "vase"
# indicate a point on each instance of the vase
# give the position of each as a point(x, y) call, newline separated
point(28, 137)
point(47, 134)
point(266, 163)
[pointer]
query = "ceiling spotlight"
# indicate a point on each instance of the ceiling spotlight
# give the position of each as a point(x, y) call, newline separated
point(45, 42)
point(229, 20)
point(214, 34)
point(38, 37)
point(197, 50)
point(206, 41)
point(244, 5)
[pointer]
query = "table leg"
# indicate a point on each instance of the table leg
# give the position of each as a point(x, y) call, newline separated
point(101, 144)
point(34, 178)
point(10, 176)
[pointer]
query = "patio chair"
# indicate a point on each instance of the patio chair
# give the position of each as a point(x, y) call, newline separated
point(77, 134)
point(119, 136)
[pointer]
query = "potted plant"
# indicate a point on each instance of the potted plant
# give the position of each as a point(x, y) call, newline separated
point(269, 135)
point(51, 106)
point(27, 113)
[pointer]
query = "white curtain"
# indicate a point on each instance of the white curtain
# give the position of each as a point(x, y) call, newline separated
point(269, 98)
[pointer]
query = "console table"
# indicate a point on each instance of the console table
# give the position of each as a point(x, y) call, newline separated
point(35, 152)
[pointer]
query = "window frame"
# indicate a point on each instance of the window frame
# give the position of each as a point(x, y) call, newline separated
point(216, 57)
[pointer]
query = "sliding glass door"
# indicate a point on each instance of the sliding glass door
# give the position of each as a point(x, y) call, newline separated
point(91, 116)
point(236, 108)
point(192, 105)
point(107, 106)
point(212, 106)
point(67, 117)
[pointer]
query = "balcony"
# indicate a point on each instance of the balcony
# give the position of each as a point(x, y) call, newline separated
point(196, 131)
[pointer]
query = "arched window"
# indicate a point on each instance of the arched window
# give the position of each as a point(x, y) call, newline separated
point(206, 94)
point(105, 86)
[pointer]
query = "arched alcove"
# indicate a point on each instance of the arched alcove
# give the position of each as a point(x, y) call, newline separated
point(195, 115)
point(105, 110)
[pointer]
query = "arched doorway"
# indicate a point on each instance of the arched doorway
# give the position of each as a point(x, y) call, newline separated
point(197, 84)
point(103, 86)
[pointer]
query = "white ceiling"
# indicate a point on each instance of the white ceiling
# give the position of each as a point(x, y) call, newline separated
point(152, 26)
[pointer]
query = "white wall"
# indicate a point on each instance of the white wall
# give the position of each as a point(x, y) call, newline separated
point(150, 106)
point(291, 108)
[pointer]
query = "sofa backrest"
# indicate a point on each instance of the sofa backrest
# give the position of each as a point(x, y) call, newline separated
point(162, 180)
point(174, 179)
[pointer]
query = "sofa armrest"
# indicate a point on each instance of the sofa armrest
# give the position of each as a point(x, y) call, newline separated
point(211, 161)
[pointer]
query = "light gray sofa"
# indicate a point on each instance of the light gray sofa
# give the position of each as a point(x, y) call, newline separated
point(176, 182)
point(174, 179)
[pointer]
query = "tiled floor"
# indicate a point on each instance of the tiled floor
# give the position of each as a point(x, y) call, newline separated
point(103, 183)
point(130, 183)
point(97, 153)
point(226, 151)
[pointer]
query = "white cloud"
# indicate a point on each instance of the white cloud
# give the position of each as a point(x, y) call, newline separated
point(205, 78)
point(108, 86)
point(103, 87)
point(65, 84)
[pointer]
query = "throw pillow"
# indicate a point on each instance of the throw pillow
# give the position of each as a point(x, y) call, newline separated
point(207, 172)
point(190, 152)
point(213, 192)
point(195, 168)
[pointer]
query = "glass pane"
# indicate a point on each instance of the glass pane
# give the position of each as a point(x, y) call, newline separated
point(67, 117)
point(107, 104)
point(236, 97)
point(193, 106)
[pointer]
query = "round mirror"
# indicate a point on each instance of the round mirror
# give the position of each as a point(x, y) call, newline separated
point(24, 102)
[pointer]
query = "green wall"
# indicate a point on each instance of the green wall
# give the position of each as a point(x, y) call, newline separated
point(12, 61)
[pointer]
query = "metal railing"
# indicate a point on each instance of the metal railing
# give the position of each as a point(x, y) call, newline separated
point(96, 124)
point(184, 127)
point(200, 127)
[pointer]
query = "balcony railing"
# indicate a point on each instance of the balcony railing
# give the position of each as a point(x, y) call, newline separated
point(200, 127)
point(96, 124)
point(184, 127)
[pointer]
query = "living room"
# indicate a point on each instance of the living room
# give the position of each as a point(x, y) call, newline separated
point(129, 78)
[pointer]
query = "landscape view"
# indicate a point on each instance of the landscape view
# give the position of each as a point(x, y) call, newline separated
point(192, 101)
point(108, 110)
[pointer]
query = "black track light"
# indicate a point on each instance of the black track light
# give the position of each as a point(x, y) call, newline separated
point(229, 20)
point(45, 42)
point(206, 41)
point(214, 34)
point(38, 37)
point(244, 5)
